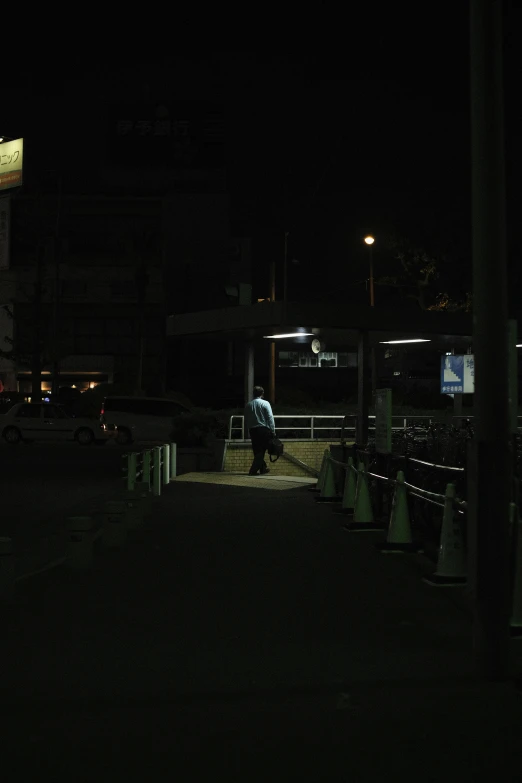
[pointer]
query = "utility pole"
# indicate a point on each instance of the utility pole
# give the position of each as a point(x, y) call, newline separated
point(372, 293)
point(36, 355)
point(490, 474)
point(271, 377)
point(285, 277)
point(142, 279)
point(55, 384)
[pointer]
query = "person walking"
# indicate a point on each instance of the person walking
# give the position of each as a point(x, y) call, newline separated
point(259, 421)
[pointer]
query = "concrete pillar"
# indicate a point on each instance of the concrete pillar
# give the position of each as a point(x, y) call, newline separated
point(363, 389)
point(249, 371)
point(490, 491)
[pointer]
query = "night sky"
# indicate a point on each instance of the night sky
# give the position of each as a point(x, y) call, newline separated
point(329, 140)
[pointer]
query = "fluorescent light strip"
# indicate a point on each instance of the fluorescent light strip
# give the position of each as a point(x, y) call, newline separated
point(396, 342)
point(293, 334)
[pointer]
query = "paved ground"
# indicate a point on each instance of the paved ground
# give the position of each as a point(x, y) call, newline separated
point(40, 481)
point(42, 484)
point(243, 480)
point(244, 629)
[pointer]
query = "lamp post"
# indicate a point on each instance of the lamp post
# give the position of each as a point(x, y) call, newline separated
point(369, 241)
point(55, 382)
point(285, 277)
point(272, 361)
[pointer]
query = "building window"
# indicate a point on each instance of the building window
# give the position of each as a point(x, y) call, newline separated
point(87, 327)
point(346, 360)
point(125, 289)
point(122, 346)
point(288, 359)
point(327, 359)
point(74, 289)
point(89, 344)
point(308, 359)
point(120, 327)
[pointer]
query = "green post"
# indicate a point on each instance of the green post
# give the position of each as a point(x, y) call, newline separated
point(166, 464)
point(132, 462)
point(156, 474)
point(173, 459)
point(146, 468)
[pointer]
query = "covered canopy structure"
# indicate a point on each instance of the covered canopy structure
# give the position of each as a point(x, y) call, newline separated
point(356, 328)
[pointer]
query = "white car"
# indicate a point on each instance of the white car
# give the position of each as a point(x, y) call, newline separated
point(137, 419)
point(44, 421)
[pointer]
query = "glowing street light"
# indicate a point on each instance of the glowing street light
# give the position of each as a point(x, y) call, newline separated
point(369, 240)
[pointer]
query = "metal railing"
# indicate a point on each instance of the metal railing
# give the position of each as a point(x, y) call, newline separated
point(343, 424)
point(150, 468)
point(315, 424)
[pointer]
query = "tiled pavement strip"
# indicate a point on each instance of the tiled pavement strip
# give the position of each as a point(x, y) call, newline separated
point(242, 480)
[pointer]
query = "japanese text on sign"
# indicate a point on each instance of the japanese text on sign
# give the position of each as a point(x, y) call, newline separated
point(164, 127)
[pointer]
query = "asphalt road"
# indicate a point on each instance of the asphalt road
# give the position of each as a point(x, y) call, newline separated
point(40, 484)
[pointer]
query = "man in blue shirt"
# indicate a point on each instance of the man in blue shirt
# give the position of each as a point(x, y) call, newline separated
point(259, 422)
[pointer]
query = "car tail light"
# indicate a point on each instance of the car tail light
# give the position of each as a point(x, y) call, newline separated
point(102, 411)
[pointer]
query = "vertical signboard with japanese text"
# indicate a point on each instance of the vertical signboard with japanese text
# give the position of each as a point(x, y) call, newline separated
point(5, 219)
point(469, 374)
point(383, 421)
point(11, 162)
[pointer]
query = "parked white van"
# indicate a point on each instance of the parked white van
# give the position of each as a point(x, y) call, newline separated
point(140, 418)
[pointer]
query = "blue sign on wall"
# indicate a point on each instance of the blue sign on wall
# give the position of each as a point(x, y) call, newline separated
point(452, 375)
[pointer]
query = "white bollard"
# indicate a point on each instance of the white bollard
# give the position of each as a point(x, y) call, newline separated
point(166, 464)
point(79, 547)
point(173, 460)
point(114, 532)
point(7, 571)
point(156, 478)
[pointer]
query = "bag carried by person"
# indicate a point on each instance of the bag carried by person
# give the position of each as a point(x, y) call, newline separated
point(275, 448)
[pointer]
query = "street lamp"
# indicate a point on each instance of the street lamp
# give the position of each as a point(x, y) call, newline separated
point(369, 241)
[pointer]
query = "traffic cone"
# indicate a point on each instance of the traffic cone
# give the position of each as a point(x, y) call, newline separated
point(362, 513)
point(328, 492)
point(451, 563)
point(516, 605)
point(399, 532)
point(320, 478)
point(350, 483)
